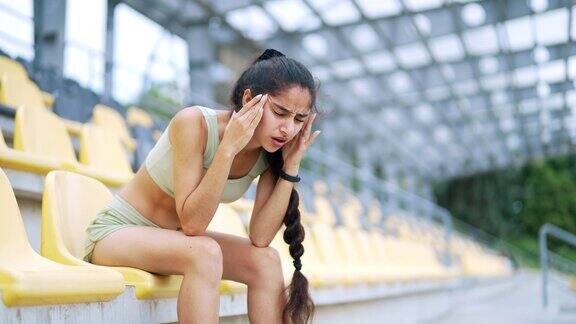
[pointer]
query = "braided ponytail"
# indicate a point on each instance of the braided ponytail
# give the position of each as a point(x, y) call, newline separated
point(273, 72)
point(300, 307)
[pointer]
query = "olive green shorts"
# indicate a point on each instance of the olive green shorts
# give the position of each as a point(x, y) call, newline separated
point(117, 215)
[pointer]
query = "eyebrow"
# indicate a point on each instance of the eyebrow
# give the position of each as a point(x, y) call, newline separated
point(286, 109)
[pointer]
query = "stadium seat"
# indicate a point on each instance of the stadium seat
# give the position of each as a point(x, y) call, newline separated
point(12, 67)
point(26, 278)
point(317, 273)
point(332, 256)
point(42, 144)
point(137, 116)
point(65, 215)
point(113, 121)
point(102, 152)
point(226, 220)
point(16, 91)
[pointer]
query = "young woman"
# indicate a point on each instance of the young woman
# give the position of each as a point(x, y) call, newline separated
point(158, 221)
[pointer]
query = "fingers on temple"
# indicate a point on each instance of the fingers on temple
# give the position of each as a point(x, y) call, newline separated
point(249, 105)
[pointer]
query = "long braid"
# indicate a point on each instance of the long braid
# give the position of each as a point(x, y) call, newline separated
point(300, 307)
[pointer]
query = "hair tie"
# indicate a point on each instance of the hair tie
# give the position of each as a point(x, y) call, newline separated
point(297, 264)
point(268, 54)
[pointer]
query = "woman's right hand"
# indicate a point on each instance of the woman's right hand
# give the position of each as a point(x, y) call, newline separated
point(242, 124)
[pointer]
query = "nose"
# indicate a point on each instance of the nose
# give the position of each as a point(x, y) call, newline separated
point(287, 127)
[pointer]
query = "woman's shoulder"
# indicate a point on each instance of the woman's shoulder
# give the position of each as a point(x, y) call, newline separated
point(187, 121)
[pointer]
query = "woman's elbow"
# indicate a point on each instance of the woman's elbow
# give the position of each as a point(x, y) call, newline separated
point(260, 242)
point(193, 230)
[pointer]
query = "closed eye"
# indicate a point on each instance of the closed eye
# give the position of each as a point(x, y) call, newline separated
point(283, 115)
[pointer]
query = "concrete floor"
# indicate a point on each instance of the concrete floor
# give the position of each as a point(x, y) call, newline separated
point(519, 304)
point(510, 301)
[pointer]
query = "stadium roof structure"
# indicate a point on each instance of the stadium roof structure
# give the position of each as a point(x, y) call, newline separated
point(438, 88)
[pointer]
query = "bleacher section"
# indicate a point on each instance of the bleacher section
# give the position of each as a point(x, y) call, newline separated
point(73, 160)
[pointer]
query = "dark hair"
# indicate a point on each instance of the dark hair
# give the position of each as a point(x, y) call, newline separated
point(273, 72)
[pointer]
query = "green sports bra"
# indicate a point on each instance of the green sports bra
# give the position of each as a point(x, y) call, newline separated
point(160, 166)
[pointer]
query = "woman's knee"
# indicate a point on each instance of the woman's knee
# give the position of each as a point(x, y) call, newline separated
point(204, 257)
point(265, 264)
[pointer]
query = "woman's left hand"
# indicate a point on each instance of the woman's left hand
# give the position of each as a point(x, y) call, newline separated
point(293, 151)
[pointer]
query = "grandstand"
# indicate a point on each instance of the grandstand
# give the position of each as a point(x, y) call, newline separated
point(77, 122)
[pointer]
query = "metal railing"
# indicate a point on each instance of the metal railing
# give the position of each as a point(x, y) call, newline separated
point(545, 255)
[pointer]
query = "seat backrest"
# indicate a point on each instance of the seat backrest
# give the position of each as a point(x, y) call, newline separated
point(110, 119)
point(374, 212)
point(20, 91)
point(102, 150)
point(9, 66)
point(351, 211)
point(69, 203)
point(41, 132)
point(348, 245)
point(137, 116)
point(13, 239)
point(226, 220)
point(324, 211)
point(325, 238)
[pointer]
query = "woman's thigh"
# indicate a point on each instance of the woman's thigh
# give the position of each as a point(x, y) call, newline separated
point(156, 250)
point(245, 262)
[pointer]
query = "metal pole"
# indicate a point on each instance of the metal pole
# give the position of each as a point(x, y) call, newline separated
point(544, 263)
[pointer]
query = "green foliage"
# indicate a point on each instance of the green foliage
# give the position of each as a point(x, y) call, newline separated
point(513, 203)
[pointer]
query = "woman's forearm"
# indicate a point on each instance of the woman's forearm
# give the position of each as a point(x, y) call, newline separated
point(200, 206)
point(265, 224)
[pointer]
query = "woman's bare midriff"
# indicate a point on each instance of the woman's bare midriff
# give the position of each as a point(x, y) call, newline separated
point(150, 201)
point(153, 203)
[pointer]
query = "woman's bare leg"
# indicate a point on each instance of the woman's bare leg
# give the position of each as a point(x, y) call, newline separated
point(260, 269)
point(163, 251)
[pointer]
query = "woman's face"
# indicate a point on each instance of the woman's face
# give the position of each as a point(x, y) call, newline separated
point(284, 116)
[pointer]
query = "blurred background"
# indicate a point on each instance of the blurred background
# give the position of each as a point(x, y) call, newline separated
point(456, 113)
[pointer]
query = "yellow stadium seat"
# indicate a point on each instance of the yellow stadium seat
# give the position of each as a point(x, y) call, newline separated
point(11, 67)
point(227, 221)
point(420, 259)
point(42, 144)
point(357, 252)
point(26, 278)
point(14, 159)
point(332, 256)
point(137, 116)
point(18, 91)
point(113, 121)
point(317, 273)
point(66, 214)
point(323, 210)
point(102, 152)
point(351, 211)
point(374, 213)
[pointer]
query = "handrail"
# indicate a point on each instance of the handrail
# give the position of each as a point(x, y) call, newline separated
point(554, 231)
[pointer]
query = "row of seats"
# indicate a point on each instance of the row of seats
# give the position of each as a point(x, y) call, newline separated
point(336, 254)
point(413, 232)
point(41, 144)
point(18, 90)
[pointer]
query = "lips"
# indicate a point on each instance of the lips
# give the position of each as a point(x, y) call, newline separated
point(279, 141)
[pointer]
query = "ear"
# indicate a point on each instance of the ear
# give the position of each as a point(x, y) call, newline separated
point(246, 96)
